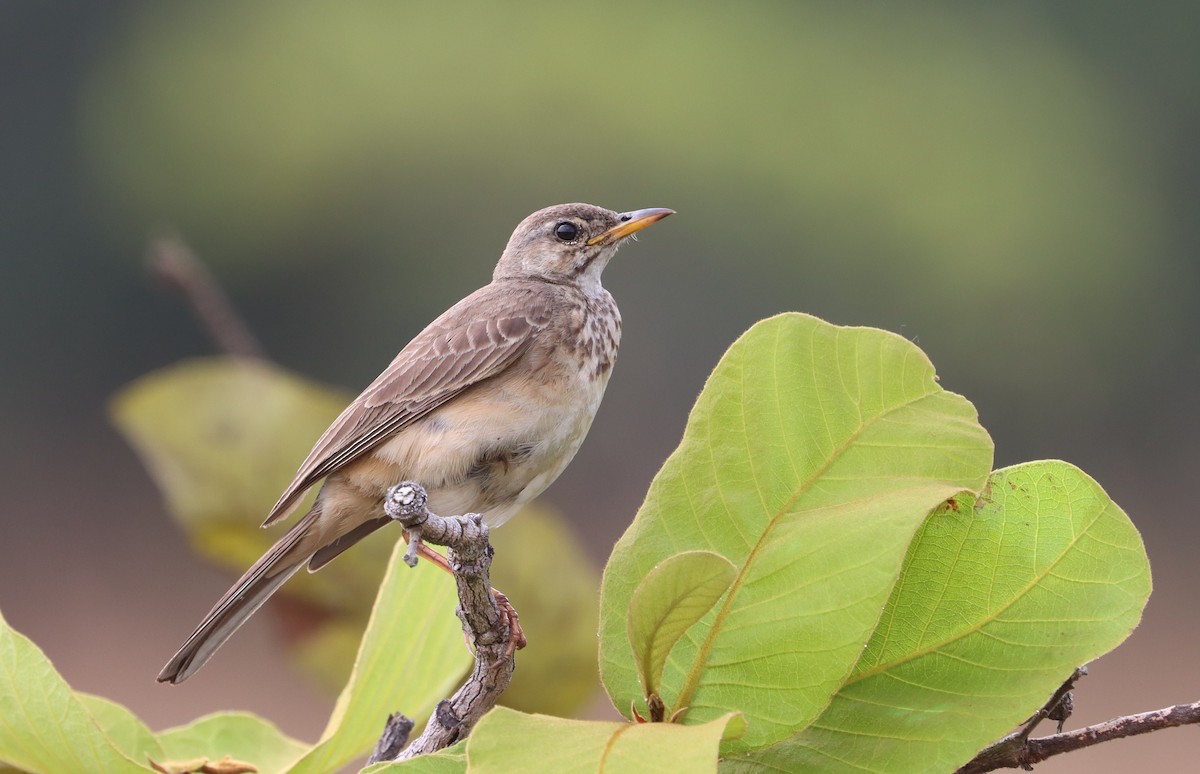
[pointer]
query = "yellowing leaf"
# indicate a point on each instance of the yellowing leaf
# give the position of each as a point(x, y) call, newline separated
point(222, 437)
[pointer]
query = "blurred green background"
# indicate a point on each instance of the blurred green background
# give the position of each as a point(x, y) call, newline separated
point(1011, 185)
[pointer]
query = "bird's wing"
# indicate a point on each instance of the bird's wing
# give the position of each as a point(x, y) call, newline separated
point(475, 339)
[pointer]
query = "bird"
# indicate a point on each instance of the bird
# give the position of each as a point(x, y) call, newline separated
point(484, 408)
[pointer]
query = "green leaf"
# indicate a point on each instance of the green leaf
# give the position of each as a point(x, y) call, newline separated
point(508, 741)
point(44, 726)
point(412, 656)
point(240, 735)
point(810, 459)
point(451, 760)
point(1000, 598)
point(129, 734)
point(673, 596)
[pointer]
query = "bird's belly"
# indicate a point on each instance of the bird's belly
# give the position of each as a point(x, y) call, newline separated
point(489, 451)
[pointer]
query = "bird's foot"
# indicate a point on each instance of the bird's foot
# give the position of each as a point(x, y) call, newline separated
point(417, 547)
point(516, 635)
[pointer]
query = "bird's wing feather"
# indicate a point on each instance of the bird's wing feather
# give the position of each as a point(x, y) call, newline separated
point(457, 350)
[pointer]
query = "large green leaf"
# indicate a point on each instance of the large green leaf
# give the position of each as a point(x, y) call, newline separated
point(809, 461)
point(507, 741)
point(1000, 598)
point(239, 735)
point(412, 656)
point(44, 726)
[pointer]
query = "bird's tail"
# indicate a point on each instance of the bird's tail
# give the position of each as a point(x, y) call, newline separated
point(242, 600)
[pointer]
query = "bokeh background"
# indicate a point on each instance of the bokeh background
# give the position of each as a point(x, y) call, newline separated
point(1011, 185)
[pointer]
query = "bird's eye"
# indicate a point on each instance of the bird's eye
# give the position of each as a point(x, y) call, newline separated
point(566, 231)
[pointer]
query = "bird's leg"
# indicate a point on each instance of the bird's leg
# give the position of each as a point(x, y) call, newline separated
point(415, 546)
point(516, 635)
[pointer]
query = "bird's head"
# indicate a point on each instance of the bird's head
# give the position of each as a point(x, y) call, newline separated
point(570, 242)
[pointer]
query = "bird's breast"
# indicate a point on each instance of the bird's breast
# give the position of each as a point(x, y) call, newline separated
point(501, 442)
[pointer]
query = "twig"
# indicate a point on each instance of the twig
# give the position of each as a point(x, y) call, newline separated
point(1059, 707)
point(1018, 751)
point(395, 735)
point(1024, 753)
point(173, 263)
point(470, 557)
point(996, 755)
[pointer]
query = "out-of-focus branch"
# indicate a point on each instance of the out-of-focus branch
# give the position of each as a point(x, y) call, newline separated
point(485, 623)
point(174, 264)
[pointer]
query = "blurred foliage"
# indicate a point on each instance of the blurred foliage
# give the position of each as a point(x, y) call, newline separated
point(222, 438)
point(555, 587)
point(922, 163)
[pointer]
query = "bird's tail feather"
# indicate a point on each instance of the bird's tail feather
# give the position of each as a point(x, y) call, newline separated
point(241, 601)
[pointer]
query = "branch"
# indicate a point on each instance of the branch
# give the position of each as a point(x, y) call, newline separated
point(1017, 750)
point(487, 626)
point(173, 264)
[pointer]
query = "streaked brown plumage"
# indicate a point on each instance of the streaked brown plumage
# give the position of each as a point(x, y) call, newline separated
point(484, 408)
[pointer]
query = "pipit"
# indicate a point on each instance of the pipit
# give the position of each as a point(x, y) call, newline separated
point(484, 408)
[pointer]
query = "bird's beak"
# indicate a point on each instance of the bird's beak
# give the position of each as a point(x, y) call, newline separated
point(630, 222)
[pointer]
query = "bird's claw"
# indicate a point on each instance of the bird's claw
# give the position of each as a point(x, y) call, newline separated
point(516, 635)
